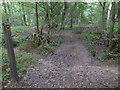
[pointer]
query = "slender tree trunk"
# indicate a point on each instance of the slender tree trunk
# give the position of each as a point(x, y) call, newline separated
point(71, 22)
point(41, 31)
point(103, 23)
point(103, 16)
point(24, 16)
point(111, 24)
point(47, 20)
point(63, 16)
point(108, 16)
point(36, 12)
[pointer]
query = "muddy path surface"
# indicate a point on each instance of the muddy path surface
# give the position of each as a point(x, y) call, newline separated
point(70, 66)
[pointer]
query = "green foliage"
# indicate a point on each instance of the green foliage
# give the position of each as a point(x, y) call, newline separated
point(26, 44)
point(74, 27)
point(55, 41)
point(91, 49)
point(5, 67)
point(36, 42)
point(112, 61)
point(16, 40)
point(45, 49)
point(103, 56)
point(40, 48)
point(116, 87)
point(101, 85)
point(20, 28)
point(88, 36)
point(116, 27)
point(23, 61)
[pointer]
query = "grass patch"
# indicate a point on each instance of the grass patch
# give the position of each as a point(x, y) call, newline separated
point(47, 48)
point(20, 28)
point(102, 85)
point(55, 41)
point(111, 61)
point(116, 87)
point(27, 44)
point(23, 61)
point(74, 27)
point(16, 40)
point(44, 49)
point(88, 36)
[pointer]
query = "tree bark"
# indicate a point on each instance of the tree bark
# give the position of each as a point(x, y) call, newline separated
point(24, 16)
point(71, 22)
point(63, 16)
point(47, 20)
point(36, 12)
point(103, 14)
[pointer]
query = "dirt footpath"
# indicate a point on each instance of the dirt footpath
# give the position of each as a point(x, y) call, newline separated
point(70, 66)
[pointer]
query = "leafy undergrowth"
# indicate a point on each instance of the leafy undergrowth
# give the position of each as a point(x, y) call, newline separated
point(94, 38)
point(20, 28)
point(43, 49)
point(17, 38)
point(103, 85)
point(23, 61)
point(74, 27)
point(111, 61)
point(47, 48)
point(91, 37)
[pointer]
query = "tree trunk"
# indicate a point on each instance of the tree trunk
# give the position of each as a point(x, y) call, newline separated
point(103, 16)
point(47, 20)
point(63, 16)
point(71, 22)
point(24, 16)
point(103, 23)
point(108, 16)
point(111, 24)
point(36, 12)
point(41, 30)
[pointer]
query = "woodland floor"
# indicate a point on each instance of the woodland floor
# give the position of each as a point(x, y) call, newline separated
point(70, 66)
